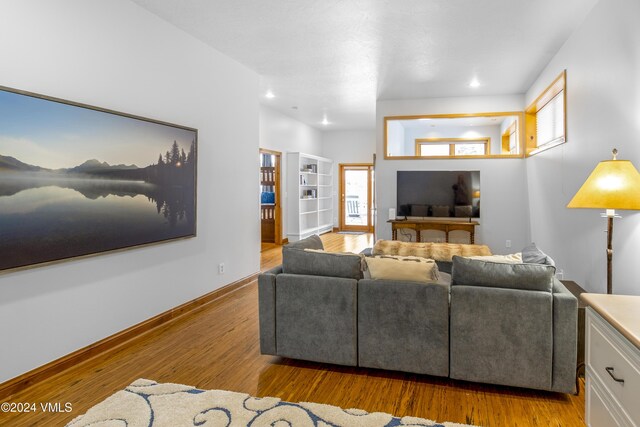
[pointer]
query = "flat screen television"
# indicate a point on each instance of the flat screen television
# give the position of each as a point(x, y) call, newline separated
point(438, 194)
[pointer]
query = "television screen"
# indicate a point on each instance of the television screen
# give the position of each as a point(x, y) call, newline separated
point(438, 194)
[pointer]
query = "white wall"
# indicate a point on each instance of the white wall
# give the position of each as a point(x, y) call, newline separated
point(395, 132)
point(602, 59)
point(113, 54)
point(347, 147)
point(282, 133)
point(504, 209)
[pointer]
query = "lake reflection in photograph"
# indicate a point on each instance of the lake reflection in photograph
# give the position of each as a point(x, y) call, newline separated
point(60, 206)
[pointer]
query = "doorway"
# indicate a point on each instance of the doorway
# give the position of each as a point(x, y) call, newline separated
point(270, 201)
point(356, 193)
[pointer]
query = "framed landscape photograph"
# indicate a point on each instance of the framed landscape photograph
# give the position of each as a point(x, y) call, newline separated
point(77, 180)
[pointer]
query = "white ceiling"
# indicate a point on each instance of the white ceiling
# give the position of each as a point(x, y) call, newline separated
point(335, 58)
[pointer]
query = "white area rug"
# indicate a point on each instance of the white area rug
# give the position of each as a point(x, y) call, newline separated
point(147, 403)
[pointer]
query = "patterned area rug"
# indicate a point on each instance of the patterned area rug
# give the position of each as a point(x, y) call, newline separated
point(148, 403)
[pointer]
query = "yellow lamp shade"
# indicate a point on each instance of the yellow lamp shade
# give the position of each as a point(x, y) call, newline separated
point(613, 184)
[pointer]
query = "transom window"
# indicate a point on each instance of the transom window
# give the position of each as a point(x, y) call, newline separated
point(452, 147)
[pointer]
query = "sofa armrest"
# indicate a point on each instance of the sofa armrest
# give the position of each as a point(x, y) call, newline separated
point(565, 336)
point(267, 309)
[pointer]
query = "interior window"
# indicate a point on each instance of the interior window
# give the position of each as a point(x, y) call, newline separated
point(427, 149)
point(546, 118)
point(452, 147)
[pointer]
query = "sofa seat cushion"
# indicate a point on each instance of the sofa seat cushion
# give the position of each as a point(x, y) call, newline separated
point(402, 268)
point(314, 262)
point(472, 272)
point(436, 251)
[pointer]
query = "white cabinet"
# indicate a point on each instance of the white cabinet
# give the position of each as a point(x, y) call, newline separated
point(309, 195)
point(612, 375)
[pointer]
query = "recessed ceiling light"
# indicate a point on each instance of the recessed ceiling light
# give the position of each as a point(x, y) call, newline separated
point(474, 82)
point(269, 94)
point(325, 121)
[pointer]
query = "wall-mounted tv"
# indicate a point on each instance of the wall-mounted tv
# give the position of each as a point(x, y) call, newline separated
point(438, 194)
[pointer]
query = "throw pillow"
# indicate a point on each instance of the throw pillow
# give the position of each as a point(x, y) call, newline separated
point(410, 268)
point(319, 263)
point(532, 255)
point(504, 259)
point(311, 242)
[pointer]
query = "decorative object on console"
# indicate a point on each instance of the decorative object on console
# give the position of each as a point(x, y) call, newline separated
point(78, 180)
point(613, 184)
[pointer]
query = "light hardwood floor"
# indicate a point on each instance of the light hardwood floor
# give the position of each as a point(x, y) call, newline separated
point(217, 347)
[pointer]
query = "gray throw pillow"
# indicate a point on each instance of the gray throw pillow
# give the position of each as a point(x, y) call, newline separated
point(473, 272)
point(311, 242)
point(532, 255)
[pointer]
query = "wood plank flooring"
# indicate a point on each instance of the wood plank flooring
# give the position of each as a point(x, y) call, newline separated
point(217, 347)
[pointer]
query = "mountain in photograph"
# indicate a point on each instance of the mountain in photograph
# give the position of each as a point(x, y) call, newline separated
point(11, 163)
point(93, 165)
point(174, 168)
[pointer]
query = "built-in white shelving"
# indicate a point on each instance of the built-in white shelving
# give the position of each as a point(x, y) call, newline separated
point(309, 195)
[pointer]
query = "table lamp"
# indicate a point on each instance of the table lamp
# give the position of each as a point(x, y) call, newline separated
point(613, 184)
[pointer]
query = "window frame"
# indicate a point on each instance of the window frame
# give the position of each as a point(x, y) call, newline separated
point(452, 142)
point(557, 87)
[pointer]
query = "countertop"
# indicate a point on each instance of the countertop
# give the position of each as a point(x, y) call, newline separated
point(621, 311)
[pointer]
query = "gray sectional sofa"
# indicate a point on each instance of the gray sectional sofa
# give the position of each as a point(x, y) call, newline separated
point(508, 324)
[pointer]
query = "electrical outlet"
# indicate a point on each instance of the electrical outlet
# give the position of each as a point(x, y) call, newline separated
point(507, 244)
point(221, 268)
point(560, 274)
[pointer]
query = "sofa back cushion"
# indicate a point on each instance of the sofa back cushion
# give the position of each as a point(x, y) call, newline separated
point(410, 268)
point(316, 262)
point(504, 259)
point(472, 272)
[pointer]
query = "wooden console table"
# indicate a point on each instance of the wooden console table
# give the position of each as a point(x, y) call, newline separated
point(433, 224)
